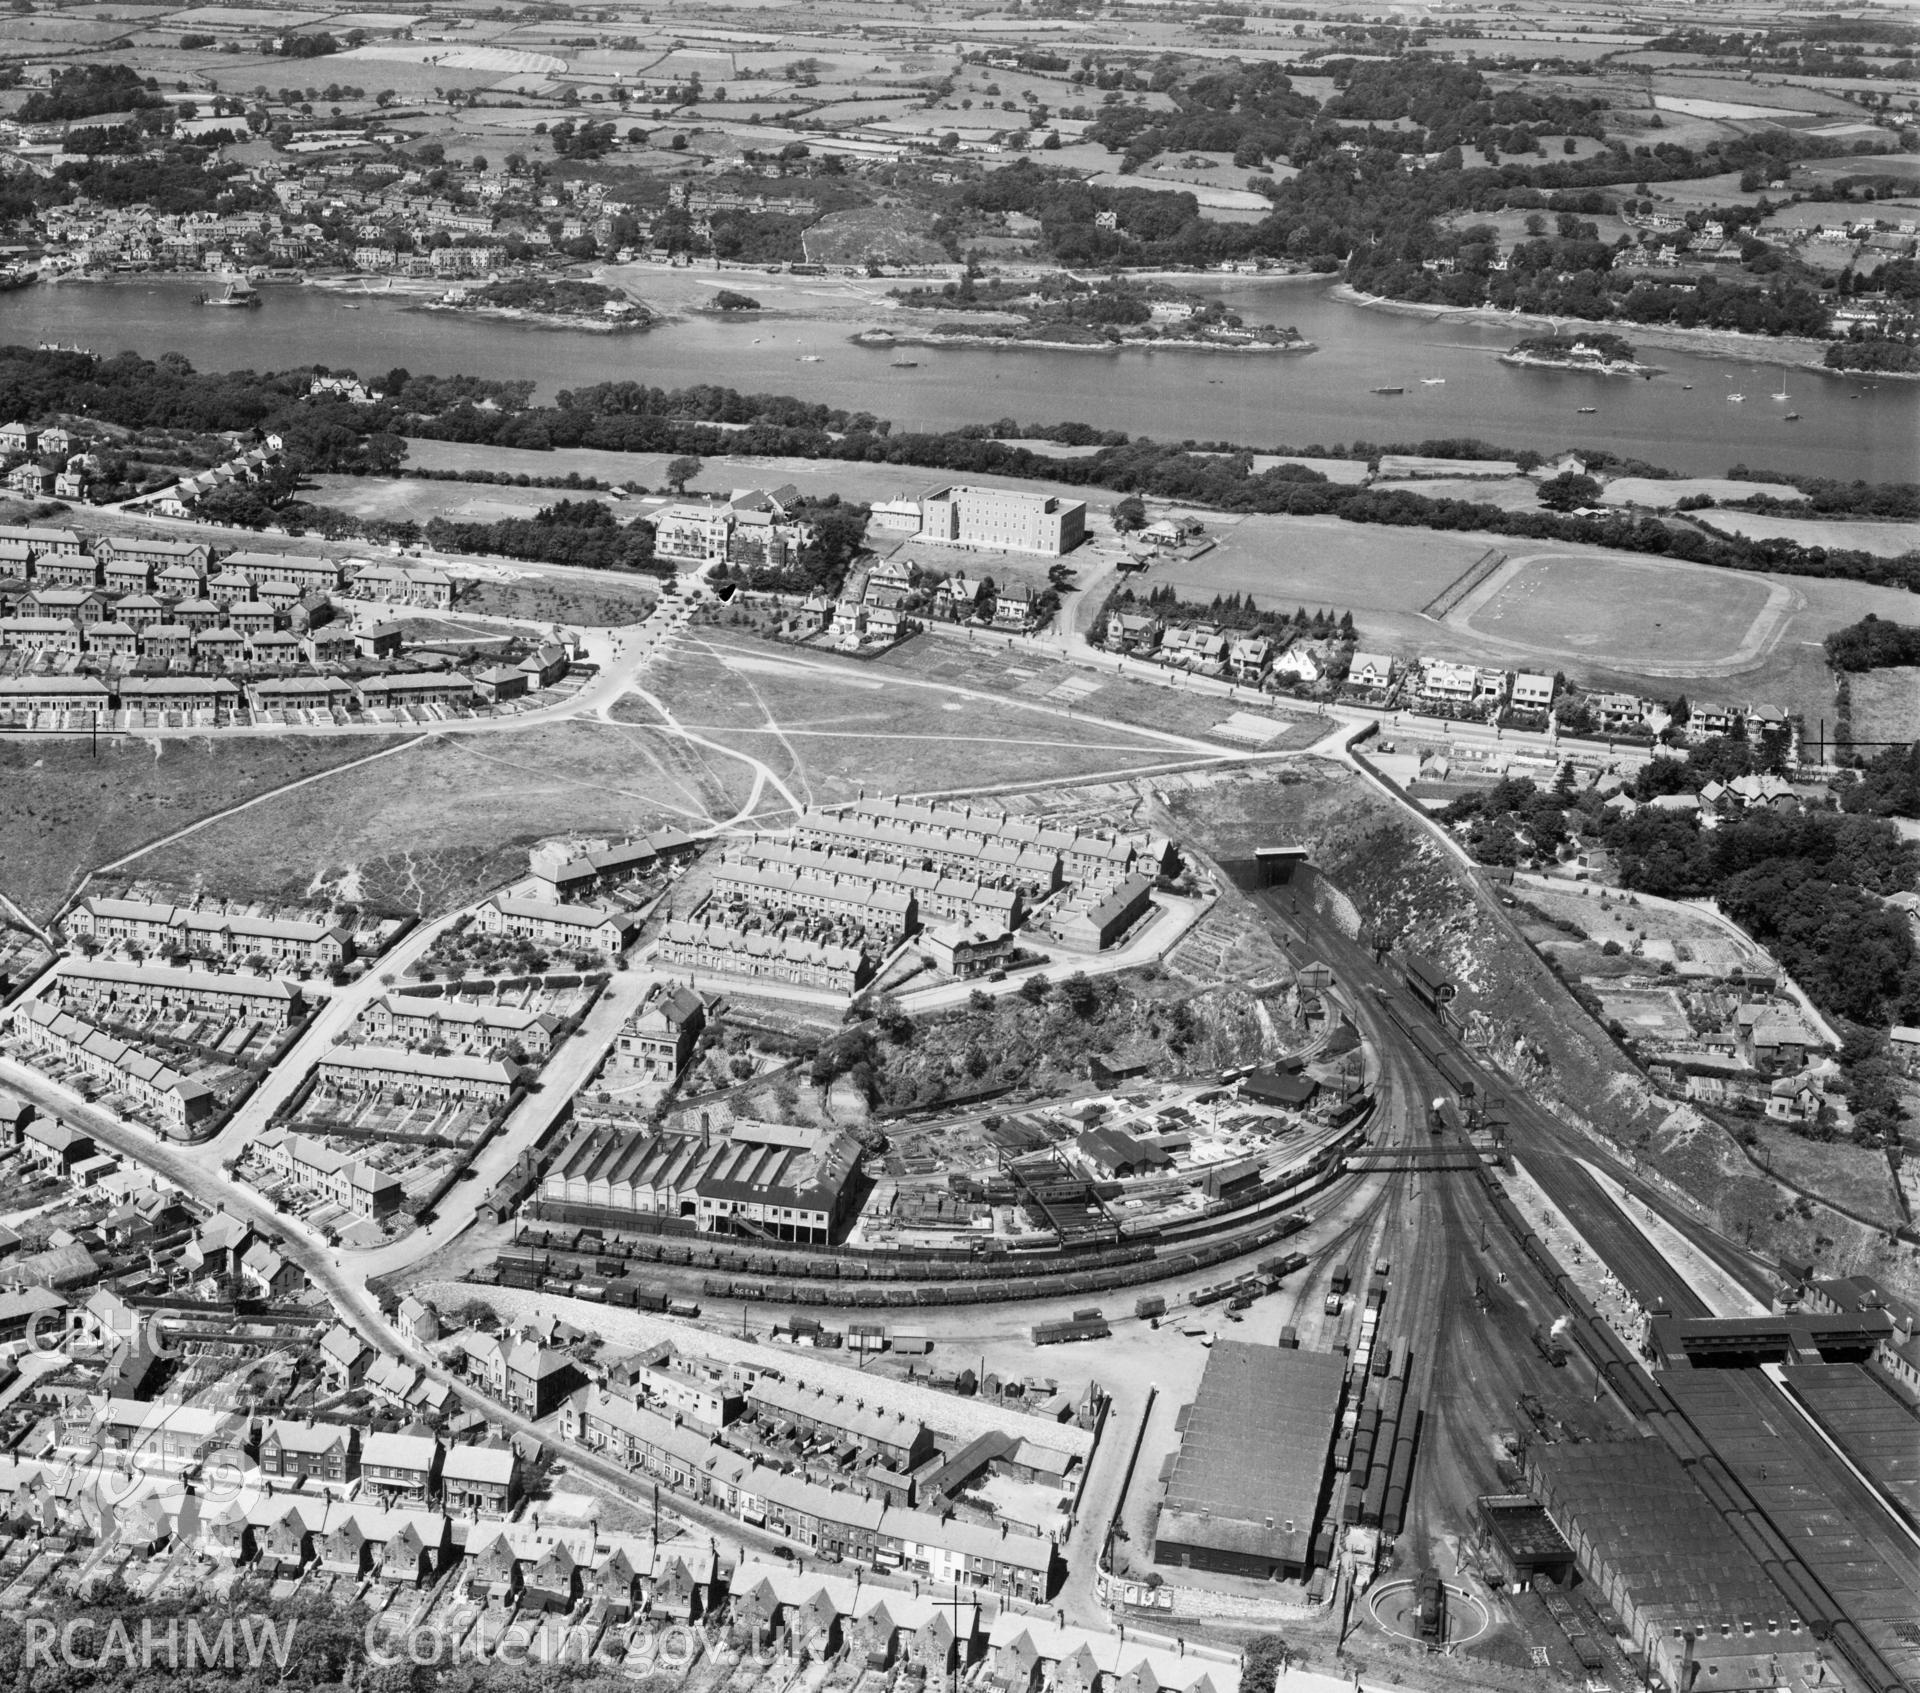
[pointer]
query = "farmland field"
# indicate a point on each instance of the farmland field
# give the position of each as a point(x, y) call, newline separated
point(1883, 540)
point(1903, 165)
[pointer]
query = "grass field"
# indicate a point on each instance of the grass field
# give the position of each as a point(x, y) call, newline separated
point(1883, 540)
point(67, 811)
point(1902, 165)
point(1288, 561)
point(721, 473)
point(1886, 704)
point(830, 728)
point(1145, 705)
point(1848, 1175)
point(438, 824)
point(893, 236)
point(608, 602)
point(1612, 608)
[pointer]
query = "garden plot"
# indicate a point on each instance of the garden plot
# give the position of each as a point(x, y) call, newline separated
point(1648, 1014)
point(380, 1122)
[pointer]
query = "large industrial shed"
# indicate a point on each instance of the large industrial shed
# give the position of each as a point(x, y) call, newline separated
point(1246, 1490)
point(1697, 1604)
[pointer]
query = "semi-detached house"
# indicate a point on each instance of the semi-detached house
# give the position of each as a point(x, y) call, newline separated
point(401, 1468)
point(478, 1480)
point(310, 1451)
point(350, 1183)
point(585, 927)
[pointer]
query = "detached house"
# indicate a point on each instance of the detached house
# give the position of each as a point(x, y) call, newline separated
point(344, 1358)
point(538, 1378)
point(1773, 1040)
point(660, 1036)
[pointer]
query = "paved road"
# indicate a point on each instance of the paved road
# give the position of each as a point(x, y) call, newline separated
point(341, 1276)
point(562, 1078)
point(622, 654)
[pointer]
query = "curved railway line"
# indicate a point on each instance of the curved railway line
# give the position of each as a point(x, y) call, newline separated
point(1543, 1141)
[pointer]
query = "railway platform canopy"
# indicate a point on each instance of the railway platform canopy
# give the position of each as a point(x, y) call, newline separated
point(1800, 1336)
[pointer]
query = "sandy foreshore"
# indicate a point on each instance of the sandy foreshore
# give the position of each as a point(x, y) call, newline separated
point(1796, 352)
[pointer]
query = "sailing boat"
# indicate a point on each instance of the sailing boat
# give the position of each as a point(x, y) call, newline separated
point(1783, 389)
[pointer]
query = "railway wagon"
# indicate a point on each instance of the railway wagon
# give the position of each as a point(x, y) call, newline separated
point(1363, 1437)
point(1277, 1268)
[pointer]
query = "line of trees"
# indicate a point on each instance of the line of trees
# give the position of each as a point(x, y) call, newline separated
point(631, 417)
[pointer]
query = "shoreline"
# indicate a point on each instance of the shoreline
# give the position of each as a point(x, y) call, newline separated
point(999, 343)
point(1795, 352)
point(538, 320)
point(1539, 361)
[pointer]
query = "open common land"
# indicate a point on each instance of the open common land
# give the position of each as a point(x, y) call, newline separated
point(72, 807)
point(443, 821)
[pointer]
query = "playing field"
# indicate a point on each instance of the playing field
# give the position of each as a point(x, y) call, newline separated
point(1652, 614)
point(1320, 561)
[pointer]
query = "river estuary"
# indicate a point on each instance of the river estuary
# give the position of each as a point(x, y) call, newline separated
point(1453, 384)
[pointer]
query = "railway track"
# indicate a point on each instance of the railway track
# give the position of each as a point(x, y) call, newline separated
point(1548, 1146)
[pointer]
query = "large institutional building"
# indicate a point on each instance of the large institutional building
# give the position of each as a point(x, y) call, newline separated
point(1003, 519)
